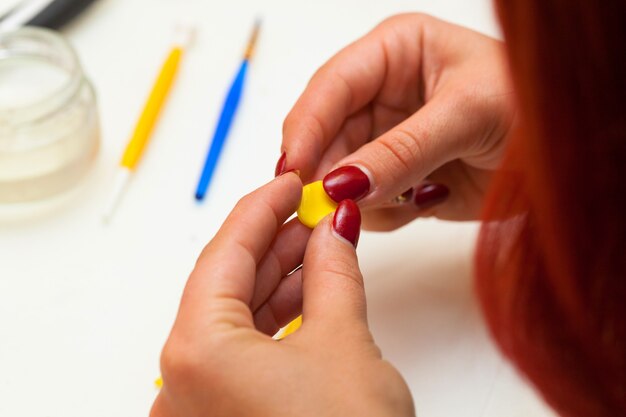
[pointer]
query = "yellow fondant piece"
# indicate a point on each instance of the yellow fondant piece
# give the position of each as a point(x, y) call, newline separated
point(158, 382)
point(291, 327)
point(315, 204)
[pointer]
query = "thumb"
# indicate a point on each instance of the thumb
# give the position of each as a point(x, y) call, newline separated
point(332, 284)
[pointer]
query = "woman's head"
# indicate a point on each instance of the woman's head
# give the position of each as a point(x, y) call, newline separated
point(551, 262)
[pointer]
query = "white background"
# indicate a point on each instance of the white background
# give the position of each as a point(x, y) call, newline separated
point(85, 309)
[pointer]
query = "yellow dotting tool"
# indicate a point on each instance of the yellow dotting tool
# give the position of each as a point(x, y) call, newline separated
point(149, 116)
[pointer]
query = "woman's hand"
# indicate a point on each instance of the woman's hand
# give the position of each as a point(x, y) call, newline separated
point(416, 99)
point(220, 359)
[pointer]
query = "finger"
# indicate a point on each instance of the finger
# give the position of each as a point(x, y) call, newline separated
point(333, 292)
point(423, 200)
point(225, 273)
point(443, 130)
point(283, 256)
point(386, 68)
point(284, 305)
point(345, 84)
point(160, 407)
point(453, 192)
point(355, 132)
point(467, 187)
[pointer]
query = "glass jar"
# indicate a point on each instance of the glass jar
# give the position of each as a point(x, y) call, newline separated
point(49, 130)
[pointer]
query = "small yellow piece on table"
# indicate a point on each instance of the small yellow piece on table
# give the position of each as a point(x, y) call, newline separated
point(315, 204)
point(291, 327)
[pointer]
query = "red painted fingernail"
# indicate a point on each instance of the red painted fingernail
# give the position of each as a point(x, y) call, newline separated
point(281, 165)
point(347, 221)
point(347, 182)
point(429, 195)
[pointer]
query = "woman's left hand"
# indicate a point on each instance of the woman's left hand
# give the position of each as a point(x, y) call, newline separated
point(220, 360)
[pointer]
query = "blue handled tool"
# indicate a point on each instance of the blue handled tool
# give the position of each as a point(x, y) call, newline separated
point(226, 117)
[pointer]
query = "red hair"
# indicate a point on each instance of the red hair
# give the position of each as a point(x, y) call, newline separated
point(551, 258)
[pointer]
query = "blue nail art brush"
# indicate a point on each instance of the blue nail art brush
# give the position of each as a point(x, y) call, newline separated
point(226, 117)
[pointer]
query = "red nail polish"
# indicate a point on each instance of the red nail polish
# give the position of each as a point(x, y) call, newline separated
point(347, 182)
point(347, 221)
point(281, 165)
point(429, 195)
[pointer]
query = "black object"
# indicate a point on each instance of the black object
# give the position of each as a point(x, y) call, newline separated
point(59, 12)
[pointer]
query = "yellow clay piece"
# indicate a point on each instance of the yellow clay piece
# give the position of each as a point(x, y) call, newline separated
point(158, 382)
point(315, 204)
point(291, 327)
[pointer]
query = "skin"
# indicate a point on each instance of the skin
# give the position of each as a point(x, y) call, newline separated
point(219, 359)
point(416, 99)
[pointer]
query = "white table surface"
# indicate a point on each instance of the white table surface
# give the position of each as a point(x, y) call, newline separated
point(85, 309)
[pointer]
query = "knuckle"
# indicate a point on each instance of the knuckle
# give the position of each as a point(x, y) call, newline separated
point(245, 204)
point(244, 201)
point(346, 271)
point(308, 125)
point(321, 71)
point(404, 18)
point(314, 126)
point(392, 21)
point(288, 122)
point(179, 363)
point(491, 117)
point(405, 148)
point(184, 363)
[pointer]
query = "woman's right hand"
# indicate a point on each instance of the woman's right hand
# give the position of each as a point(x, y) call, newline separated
point(417, 104)
point(220, 358)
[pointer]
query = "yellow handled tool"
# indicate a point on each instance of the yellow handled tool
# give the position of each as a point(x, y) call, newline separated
point(152, 109)
point(147, 120)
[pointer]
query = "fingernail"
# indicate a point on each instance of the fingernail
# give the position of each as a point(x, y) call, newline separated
point(281, 165)
point(404, 197)
point(347, 221)
point(347, 182)
point(429, 195)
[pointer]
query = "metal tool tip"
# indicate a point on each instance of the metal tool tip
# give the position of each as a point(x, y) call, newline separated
point(184, 34)
point(121, 181)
